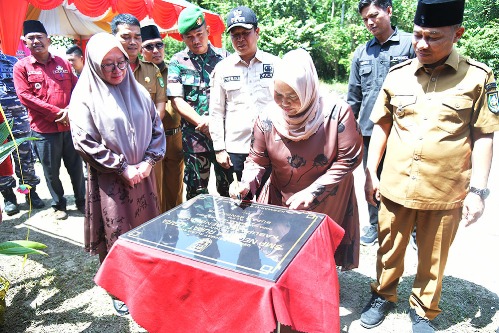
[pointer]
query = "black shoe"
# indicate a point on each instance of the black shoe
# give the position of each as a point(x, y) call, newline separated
point(375, 311)
point(36, 202)
point(10, 200)
point(81, 208)
point(420, 324)
point(371, 236)
point(120, 307)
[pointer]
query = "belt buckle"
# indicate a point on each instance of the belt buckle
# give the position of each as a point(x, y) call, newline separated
point(172, 131)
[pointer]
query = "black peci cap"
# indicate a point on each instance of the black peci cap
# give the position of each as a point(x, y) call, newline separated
point(30, 26)
point(149, 32)
point(439, 13)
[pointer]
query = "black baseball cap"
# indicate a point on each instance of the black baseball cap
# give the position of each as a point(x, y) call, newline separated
point(241, 16)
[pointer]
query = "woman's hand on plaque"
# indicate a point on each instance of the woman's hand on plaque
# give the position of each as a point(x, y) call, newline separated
point(238, 190)
point(300, 200)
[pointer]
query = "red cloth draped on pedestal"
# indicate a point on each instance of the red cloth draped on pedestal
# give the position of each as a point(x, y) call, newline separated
point(169, 293)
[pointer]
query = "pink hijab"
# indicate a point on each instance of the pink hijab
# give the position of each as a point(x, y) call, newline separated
point(298, 71)
point(110, 113)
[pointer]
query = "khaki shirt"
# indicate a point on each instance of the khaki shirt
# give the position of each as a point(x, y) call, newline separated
point(433, 116)
point(172, 118)
point(148, 75)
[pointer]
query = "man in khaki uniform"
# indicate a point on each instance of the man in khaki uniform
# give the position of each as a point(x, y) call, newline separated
point(170, 171)
point(436, 116)
point(126, 28)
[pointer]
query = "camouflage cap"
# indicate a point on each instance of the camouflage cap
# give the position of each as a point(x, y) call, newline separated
point(190, 18)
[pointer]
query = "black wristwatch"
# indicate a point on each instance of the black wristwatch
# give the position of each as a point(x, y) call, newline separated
point(483, 193)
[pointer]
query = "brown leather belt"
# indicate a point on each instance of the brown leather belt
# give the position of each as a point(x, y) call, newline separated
point(172, 131)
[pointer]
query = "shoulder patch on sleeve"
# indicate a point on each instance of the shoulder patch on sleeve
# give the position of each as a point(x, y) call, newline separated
point(493, 101)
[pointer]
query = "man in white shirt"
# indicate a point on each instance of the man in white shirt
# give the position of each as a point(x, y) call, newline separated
point(243, 84)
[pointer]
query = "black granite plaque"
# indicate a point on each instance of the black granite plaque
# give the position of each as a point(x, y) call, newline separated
point(255, 239)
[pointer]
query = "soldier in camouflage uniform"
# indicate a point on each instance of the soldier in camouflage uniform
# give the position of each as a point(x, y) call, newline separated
point(15, 111)
point(189, 90)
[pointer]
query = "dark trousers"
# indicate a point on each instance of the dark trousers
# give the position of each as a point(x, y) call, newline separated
point(51, 148)
point(237, 165)
point(373, 211)
point(24, 163)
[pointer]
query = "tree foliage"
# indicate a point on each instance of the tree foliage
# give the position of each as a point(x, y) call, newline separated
point(482, 43)
point(332, 29)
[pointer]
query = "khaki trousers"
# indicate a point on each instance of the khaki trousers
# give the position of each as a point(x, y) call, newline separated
point(435, 231)
point(169, 174)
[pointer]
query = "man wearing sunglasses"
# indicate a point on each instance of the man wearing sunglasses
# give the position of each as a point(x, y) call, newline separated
point(171, 169)
point(243, 85)
point(126, 28)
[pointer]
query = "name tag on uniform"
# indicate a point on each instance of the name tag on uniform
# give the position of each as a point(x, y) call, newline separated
point(232, 78)
point(395, 60)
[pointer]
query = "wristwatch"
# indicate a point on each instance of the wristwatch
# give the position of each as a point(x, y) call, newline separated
point(482, 192)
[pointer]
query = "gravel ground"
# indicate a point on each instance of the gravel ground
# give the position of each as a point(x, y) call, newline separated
point(56, 293)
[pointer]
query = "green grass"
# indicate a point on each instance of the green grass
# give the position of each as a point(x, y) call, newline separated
point(338, 86)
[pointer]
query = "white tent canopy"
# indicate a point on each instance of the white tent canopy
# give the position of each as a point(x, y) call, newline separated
point(67, 21)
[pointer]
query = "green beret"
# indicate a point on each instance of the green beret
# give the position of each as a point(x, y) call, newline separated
point(190, 18)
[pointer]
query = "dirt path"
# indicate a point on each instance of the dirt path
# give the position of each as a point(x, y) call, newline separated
point(56, 293)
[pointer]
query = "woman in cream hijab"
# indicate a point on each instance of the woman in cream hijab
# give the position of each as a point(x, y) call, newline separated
point(313, 144)
point(117, 131)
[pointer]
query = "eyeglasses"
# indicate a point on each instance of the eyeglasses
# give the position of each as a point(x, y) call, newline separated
point(150, 47)
point(112, 66)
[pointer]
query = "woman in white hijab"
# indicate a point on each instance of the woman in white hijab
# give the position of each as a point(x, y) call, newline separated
point(117, 131)
point(313, 145)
